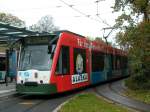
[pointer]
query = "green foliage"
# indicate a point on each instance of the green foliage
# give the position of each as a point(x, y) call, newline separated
point(99, 39)
point(124, 21)
point(12, 20)
point(138, 82)
point(140, 5)
point(120, 4)
point(142, 95)
point(88, 102)
point(135, 6)
point(137, 41)
point(135, 38)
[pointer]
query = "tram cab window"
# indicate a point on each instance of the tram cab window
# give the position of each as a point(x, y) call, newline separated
point(63, 63)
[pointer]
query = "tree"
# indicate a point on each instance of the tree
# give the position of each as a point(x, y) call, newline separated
point(45, 24)
point(136, 6)
point(12, 20)
point(135, 38)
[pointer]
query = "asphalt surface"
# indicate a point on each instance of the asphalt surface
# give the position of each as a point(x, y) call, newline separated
point(24, 103)
point(114, 92)
point(7, 90)
point(32, 103)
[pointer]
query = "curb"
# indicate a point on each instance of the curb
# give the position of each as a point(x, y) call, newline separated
point(113, 102)
point(132, 105)
point(5, 93)
point(62, 104)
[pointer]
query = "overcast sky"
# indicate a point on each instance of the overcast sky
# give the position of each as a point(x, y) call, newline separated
point(64, 16)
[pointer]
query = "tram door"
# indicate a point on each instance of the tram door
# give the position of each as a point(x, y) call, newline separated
point(63, 69)
point(81, 73)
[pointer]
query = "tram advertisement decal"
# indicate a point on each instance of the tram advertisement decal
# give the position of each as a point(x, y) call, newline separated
point(80, 76)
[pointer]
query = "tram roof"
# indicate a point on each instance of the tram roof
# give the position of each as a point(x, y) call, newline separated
point(67, 31)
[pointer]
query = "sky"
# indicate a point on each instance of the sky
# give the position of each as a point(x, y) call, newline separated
point(79, 17)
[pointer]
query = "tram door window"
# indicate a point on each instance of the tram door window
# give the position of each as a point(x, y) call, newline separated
point(79, 61)
point(63, 63)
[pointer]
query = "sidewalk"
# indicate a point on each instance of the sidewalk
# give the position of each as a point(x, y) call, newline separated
point(115, 91)
point(7, 90)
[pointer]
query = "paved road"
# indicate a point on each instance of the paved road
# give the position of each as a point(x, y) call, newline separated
point(24, 103)
point(113, 91)
point(7, 90)
point(32, 103)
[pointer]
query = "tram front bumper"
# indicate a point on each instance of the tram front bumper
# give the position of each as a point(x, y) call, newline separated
point(41, 89)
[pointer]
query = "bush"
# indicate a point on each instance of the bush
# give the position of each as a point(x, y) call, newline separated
point(136, 82)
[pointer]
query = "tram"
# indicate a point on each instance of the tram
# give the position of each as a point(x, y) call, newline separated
point(64, 61)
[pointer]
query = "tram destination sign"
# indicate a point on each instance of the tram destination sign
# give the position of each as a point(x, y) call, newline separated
point(36, 40)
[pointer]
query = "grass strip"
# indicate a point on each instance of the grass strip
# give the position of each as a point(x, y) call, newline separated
point(141, 95)
point(89, 102)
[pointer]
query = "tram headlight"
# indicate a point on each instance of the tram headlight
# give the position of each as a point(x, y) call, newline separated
point(21, 81)
point(41, 81)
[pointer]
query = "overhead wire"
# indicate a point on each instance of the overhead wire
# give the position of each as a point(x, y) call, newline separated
point(84, 14)
point(98, 15)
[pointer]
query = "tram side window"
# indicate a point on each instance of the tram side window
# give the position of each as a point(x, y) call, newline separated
point(112, 62)
point(118, 62)
point(124, 62)
point(63, 63)
point(97, 61)
point(79, 61)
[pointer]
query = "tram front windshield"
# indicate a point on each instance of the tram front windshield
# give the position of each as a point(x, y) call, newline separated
point(35, 57)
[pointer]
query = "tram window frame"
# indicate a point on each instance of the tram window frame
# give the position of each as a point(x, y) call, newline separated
point(83, 53)
point(98, 61)
point(63, 61)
